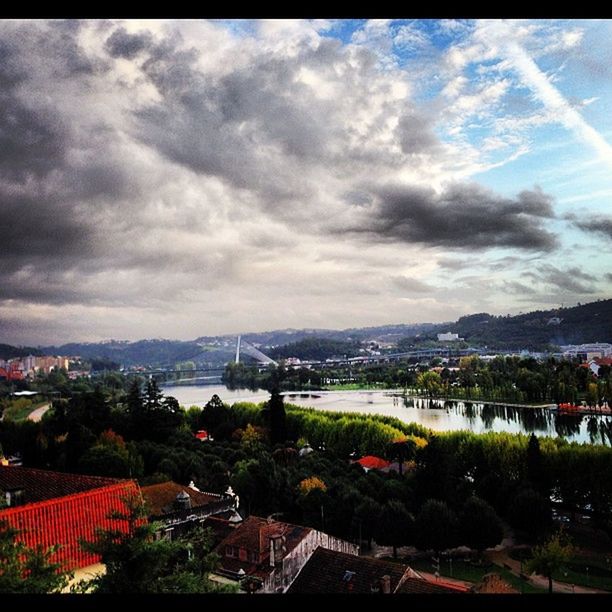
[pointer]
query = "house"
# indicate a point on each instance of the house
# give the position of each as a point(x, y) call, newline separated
point(371, 462)
point(329, 571)
point(179, 508)
point(52, 508)
point(266, 555)
point(449, 337)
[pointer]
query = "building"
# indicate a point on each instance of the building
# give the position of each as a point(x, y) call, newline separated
point(329, 571)
point(52, 508)
point(587, 351)
point(449, 337)
point(266, 555)
point(179, 508)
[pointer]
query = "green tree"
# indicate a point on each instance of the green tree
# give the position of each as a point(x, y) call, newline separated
point(27, 570)
point(535, 465)
point(550, 557)
point(394, 527)
point(431, 382)
point(276, 418)
point(479, 525)
point(530, 512)
point(435, 527)
point(138, 563)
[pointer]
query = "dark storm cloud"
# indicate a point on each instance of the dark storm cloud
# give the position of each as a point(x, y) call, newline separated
point(571, 279)
point(123, 44)
point(608, 276)
point(600, 225)
point(234, 126)
point(464, 216)
point(415, 134)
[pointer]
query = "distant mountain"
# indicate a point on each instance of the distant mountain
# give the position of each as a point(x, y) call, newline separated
point(538, 329)
point(316, 349)
point(534, 330)
point(8, 352)
point(142, 352)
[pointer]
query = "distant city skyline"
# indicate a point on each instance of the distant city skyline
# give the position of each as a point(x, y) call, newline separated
point(185, 178)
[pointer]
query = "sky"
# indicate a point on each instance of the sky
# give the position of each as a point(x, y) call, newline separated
point(181, 178)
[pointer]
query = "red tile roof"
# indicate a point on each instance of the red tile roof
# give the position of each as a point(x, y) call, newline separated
point(252, 535)
point(160, 497)
point(371, 462)
point(41, 485)
point(328, 571)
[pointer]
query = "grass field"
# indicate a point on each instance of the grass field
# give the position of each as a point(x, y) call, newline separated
point(21, 412)
point(473, 573)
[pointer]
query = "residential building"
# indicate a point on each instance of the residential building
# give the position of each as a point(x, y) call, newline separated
point(179, 508)
point(268, 554)
point(449, 337)
point(329, 571)
point(53, 508)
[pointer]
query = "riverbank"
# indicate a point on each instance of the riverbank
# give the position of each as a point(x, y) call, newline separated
point(478, 401)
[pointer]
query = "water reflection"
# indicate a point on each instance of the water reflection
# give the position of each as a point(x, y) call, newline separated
point(437, 414)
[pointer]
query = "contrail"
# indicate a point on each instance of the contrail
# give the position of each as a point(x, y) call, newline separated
point(502, 36)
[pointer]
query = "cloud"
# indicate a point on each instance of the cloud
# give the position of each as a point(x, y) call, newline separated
point(123, 44)
point(202, 177)
point(600, 224)
point(411, 285)
point(464, 216)
point(502, 37)
point(569, 279)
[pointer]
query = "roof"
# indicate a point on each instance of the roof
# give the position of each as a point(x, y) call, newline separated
point(328, 571)
point(421, 585)
point(220, 526)
point(160, 497)
point(41, 485)
point(371, 462)
point(253, 535)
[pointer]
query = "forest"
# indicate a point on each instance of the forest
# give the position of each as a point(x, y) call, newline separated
point(454, 487)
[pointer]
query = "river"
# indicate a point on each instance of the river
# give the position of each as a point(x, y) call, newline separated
point(476, 417)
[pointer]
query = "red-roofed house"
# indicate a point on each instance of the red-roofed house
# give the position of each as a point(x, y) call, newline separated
point(53, 508)
point(271, 552)
point(370, 462)
point(202, 435)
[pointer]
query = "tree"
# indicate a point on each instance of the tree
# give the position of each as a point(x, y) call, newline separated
point(530, 512)
point(435, 526)
point(480, 526)
point(431, 382)
point(402, 450)
point(550, 557)
point(535, 465)
point(394, 527)
point(367, 514)
point(310, 484)
point(138, 563)
point(27, 570)
point(276, 418)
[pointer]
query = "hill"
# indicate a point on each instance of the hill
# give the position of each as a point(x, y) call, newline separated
point(536, 330)
point(8, 352)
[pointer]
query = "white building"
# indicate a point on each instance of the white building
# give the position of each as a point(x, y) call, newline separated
point(449, 337)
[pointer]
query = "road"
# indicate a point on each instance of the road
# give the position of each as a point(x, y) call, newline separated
point(36, 415)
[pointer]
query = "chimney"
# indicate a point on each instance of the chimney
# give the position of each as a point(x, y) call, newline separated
point(277, 550)
point(385, 582)
point(183, 501)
